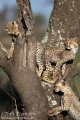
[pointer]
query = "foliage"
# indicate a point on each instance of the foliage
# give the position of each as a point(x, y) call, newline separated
point(49, 2)
point(40, 19)
point(75, 85)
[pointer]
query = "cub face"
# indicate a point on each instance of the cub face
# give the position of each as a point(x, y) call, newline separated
point(12, 28)
point(72, 43)
point(60, 86)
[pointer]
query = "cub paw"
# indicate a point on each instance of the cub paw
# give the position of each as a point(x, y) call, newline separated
point(9, 55)
point(53, 112)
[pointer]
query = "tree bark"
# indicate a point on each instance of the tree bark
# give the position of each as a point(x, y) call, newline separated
point(21, 68)
point(63, 23)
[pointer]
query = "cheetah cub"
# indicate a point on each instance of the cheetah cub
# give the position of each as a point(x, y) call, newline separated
point(70, 101)
point(60, 56)
point(12, 29)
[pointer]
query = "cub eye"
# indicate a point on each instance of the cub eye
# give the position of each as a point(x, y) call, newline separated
point(13, 23)
point(70, 43)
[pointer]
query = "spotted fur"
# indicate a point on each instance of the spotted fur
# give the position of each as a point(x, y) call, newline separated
point(60, 56)
point(44, 57)
point(12, 29)
point(10, 51)
point(70, 101)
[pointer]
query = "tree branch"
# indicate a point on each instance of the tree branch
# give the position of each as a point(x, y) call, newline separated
point(3, 59)
point(28, 19)
point(63, 23)
point(23, 65)
point(2, 53)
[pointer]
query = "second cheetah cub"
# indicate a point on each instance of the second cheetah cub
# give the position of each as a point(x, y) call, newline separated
point(70, 101)
point(60, 56)
point(13, 31)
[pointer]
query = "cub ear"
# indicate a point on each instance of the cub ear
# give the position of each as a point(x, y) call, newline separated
point(76, 40)
point(13, 22)
point(62, 82)
point(6, 29)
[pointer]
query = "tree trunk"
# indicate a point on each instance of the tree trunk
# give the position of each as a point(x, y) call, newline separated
point(63, 23)
point(21, 68)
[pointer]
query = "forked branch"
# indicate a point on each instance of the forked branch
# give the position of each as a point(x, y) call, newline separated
point(3, 58)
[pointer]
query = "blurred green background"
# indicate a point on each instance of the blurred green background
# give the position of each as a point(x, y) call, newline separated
point(8, 12)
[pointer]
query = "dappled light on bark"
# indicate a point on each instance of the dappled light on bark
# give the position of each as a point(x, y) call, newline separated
point(21, 68)
point(64, 22)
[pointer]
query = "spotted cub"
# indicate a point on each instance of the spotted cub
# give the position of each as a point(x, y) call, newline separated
point(60, 56)
point(13, 31)
point(70, 102)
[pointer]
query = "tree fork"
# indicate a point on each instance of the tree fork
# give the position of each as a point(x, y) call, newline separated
point(22, 66)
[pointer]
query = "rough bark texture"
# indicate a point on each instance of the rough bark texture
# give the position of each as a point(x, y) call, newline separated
point(21, 68)
point(63, 23)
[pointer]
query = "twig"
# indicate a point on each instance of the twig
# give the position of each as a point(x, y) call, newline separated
point(62, 78)
point(17, 113)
